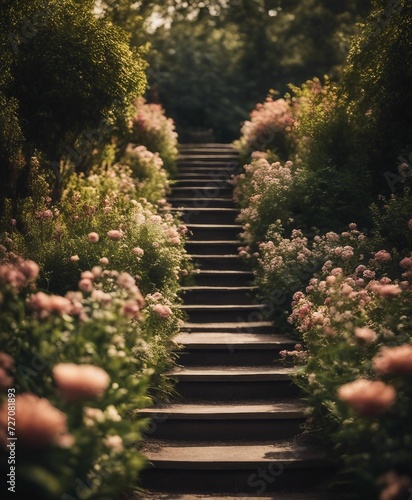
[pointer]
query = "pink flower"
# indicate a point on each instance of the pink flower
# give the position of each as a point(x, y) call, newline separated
point(162, 311)
point(104, 261)
point(394, 360)
point(139, 252)
point(44, 304)
point(386, 290)
point(367, 397)
point(396, 486)
point(365, 335)
point(126, 281)
point(39, 423)
point(382, 256)
point(131, 309)
point(86, 285)
point(78, 382)
point(406, 262)
point(115, 443)
point(115, 234)
point(30, 269)
point(93, 237)
point(74, 258)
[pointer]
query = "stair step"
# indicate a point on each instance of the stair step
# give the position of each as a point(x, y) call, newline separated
point(247, 468)
point(234, 383)
point(216, 422)
point(209, 295)
point(208, 215)
point(232, 374)
point(156, 495)
point(227, 412)
point(217, 247)
point(210, 190)
point(202, 202)
point(231, 349)
point(214, 277)
point(237, 327)
point(210, 169)
point(214, 231)
point(219, 182)
point(206, 145)
point(201, 156)
point(224, 313)
point(217, 262)
point(240, 341)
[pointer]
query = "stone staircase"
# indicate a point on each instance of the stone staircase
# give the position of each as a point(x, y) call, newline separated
point(232, 432)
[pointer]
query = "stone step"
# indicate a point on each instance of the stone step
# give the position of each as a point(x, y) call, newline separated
point(225, 313)
point(214, 152)
point(218, 295)
point(215, 277)
point(202, 202)
point(212, 232)
point(237, 468)
point(204, 175)
point(218, 247)
point(208, 215)
point(210, 190)
point(217, 262)
point(225, 422)
point(249, 327)
point(238, 341)
point(206, 145)
point(226, 170)
point(233, 383)
point(157, 495)
point(196, 183)
point(208, 156)
point(222, 163)
point(231, 349)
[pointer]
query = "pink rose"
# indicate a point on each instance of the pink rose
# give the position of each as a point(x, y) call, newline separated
point(115, 234)
point(368, 398)
point(77, 382)
point(365, 335)
point(162, 311)
point(394, 360)
point(39, 423)
point(93, 237)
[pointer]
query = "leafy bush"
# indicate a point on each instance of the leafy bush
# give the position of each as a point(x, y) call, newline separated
point(267, 129)
point(357, 332)
point(154, 130)
point(88, 356)
point(101, 219)
point(147, 168)
point(264, 190)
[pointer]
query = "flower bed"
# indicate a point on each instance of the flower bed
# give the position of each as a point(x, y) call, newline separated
point(89, 310)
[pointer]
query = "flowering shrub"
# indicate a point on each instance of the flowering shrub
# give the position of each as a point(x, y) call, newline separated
point(147, 168)
point(82, 365)
point(154, 130)
point(357, 332)
point(266, 129)
point(263, 190)
point(102, 220)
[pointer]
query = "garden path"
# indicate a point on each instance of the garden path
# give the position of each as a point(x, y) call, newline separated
point(233, 431)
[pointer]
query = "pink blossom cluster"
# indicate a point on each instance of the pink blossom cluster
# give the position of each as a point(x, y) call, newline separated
point(40, 424)
point(16, 272)
point(271, 117)
point(261, 185)
point(79, 382)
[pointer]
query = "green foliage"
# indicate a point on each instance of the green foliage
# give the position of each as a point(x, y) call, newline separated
point(70, 76)
point(151, 128)
point(348, 328)
point(98, 327)
point(237, 51)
